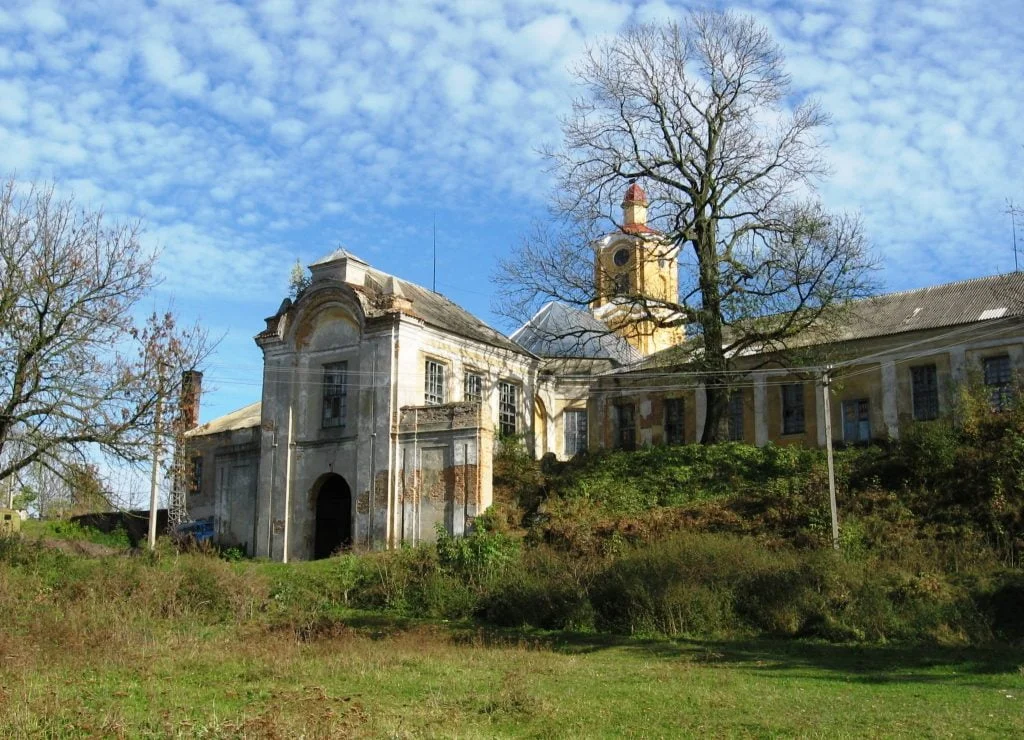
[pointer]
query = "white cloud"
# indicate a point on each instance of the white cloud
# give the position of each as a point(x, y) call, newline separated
point(166, 66)
point(15, 101)
point(459, 82)
point(44, 18)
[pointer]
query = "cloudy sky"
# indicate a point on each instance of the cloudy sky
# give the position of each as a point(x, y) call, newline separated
point(251, 134)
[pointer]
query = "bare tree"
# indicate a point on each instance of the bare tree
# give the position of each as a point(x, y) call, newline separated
point(79, 374)
point(700, 114)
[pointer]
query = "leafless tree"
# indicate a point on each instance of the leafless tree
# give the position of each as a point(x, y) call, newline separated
point(700, 113)
point(79, 374)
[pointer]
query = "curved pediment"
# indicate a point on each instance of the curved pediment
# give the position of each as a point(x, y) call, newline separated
point(327, 317)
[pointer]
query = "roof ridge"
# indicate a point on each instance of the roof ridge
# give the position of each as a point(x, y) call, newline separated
point(926, 288)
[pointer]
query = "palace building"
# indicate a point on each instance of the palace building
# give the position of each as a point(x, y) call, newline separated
point(382, 400)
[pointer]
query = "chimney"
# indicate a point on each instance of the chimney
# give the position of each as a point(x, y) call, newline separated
point(191, 390)
point(634, 210)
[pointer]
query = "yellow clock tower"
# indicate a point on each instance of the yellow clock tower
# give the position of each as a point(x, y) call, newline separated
point(636, 280)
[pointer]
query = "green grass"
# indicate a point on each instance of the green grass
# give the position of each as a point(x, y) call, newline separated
point(371, 677)
point(64, 530)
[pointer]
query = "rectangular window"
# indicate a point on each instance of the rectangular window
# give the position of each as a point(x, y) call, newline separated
point(856, 420)
point(793, 408)
point(673, 421)
point(195, 484)
point(335, 389)
point(575, 431)
point(625, 426)
point(508, 394)
point(473, 387)
point(924, 392)
point(736, 416)
point(620, 283)
point(434, 390)
point(998, 378)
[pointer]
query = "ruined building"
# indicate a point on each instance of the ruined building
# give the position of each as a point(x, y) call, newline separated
point(382, 400)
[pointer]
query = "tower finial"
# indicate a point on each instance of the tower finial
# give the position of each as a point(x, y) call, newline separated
point(634, 209)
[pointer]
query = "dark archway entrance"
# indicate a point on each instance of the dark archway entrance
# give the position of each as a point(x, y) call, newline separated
point(333, 517)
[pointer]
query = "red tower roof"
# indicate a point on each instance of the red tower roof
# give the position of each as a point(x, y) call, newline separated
point(635, 194)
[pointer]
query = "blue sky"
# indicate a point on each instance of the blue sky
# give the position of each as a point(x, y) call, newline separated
point(247, 135)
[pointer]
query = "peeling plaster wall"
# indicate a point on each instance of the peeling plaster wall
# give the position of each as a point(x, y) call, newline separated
point(227, 488)
point(444, 456)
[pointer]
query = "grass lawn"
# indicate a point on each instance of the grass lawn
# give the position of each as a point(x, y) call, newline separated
point(380, 677)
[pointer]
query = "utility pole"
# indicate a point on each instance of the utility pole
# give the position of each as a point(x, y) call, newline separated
point(155, 474)
point(825, 381)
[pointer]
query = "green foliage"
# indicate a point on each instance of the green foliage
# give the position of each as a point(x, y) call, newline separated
point(62, 529)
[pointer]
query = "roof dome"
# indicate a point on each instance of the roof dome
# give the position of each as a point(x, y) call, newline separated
point(635, 194)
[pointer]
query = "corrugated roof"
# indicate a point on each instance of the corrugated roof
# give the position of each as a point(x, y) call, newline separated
point(243, 418)
point(557, 330)
point(936, 307)
point(951, 304)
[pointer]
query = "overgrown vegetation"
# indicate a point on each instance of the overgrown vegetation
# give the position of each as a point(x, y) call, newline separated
point(728, 541)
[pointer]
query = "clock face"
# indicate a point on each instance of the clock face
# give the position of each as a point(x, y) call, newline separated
point(621, 257)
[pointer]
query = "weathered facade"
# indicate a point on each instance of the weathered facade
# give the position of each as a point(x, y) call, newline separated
point(382, 400)
point(899, 359)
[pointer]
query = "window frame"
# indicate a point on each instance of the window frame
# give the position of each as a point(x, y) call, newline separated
point(440, 395)
point(794, 411)
point(863, 414)
point(334, 396)
point(999, 382)
point(924, 392)
point(624, 441)
point(575, 431)
point(734, 416)
point(478, 396)
point(508, 408)
point(195, 482)
point(674, 424)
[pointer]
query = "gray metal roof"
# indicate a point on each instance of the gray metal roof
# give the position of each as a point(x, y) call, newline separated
point(436, 310)
point(952, 304)
point(557, 330)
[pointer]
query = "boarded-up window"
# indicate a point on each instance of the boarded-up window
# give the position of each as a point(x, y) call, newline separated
point(856, 420)
point(335, 387)
point(508, 395)
point(924, 391)
point(793, 408)
point(473, 387)
point(433, 394)
point(575, 431)
point(625, 426)
point(998, 378)
point(673, 421)
point(436, 499)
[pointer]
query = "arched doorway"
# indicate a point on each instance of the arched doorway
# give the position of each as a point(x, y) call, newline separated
point(333, 517)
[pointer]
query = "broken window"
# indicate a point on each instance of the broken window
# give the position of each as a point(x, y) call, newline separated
point(625, 426)
point(998, 378)
point(434, 392)
point(793, 408)
point(856, 420)
point(736, 416)
point(575, 431)
point(673, 421)
point(924, 392)
point(473, 388)
point(507, 406)
point(335, 387)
